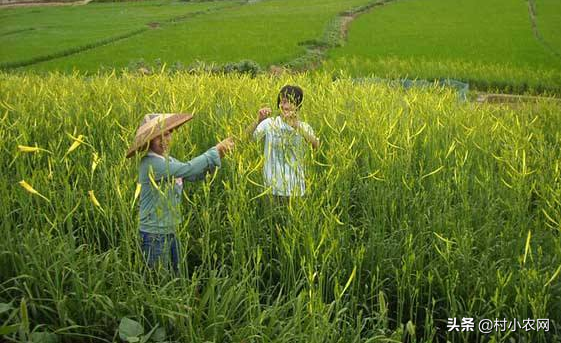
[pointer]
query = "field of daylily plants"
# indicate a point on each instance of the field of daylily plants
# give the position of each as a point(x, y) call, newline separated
point(421, 209)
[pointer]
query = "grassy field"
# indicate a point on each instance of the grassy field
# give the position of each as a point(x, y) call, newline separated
point(267, 32)
point(421, 208)
point(38, 32)
point(489, 44)
point(548, 19)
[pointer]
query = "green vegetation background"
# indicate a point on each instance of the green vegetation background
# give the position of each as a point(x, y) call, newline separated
point(490, 45)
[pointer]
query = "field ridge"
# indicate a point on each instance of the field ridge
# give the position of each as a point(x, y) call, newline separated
point(13, 32)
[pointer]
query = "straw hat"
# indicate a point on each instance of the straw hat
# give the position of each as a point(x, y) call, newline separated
point(153, 125)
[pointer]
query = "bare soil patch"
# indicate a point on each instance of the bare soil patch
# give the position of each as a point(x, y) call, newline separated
point(39, 4)
point(511, 98)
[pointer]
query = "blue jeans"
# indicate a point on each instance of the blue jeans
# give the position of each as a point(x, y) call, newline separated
point(160, 249)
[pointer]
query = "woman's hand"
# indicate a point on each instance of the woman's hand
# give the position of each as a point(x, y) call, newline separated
point(225, 146)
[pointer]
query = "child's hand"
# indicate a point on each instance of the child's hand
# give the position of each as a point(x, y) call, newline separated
point(293, 122)
point(225, 146)
point(263, 114)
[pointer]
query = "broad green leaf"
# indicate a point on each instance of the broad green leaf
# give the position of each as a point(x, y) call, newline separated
point(6, 330)
point(146, 337)
point(5, 307)
point(159, 335)
point(130, 330)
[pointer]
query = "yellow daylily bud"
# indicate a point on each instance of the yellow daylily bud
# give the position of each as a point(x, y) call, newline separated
point(137, 191)
point(77, 141)
point(31, 190)
point(95, 161)
point(94, 199)
point(23, 148)
point(31, 149)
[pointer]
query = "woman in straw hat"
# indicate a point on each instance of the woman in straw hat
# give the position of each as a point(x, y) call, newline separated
point(161, 178)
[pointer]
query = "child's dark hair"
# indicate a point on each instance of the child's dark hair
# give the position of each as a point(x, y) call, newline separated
point(294, 94)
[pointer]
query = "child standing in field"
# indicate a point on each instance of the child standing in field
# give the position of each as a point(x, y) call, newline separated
point(161, 179)
point(286, 138)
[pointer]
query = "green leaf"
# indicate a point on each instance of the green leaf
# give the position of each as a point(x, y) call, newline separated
point(8, 329)
point(159, 335)
point(146, 337)
point(410, 327)
point(24, 317)
point(130, 330)
point(5, 307)
point(43, 337)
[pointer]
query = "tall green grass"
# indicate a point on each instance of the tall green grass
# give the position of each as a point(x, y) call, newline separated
point(420, 208)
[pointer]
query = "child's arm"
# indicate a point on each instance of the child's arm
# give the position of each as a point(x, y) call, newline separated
point(306, 131)
point(263, 114)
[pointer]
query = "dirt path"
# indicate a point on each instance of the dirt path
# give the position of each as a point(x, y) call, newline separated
point(38, 4)
point(347, 18)
point(492, 98)
point(315, 52)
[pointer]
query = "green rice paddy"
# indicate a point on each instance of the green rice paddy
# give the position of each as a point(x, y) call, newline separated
point(488, 44)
